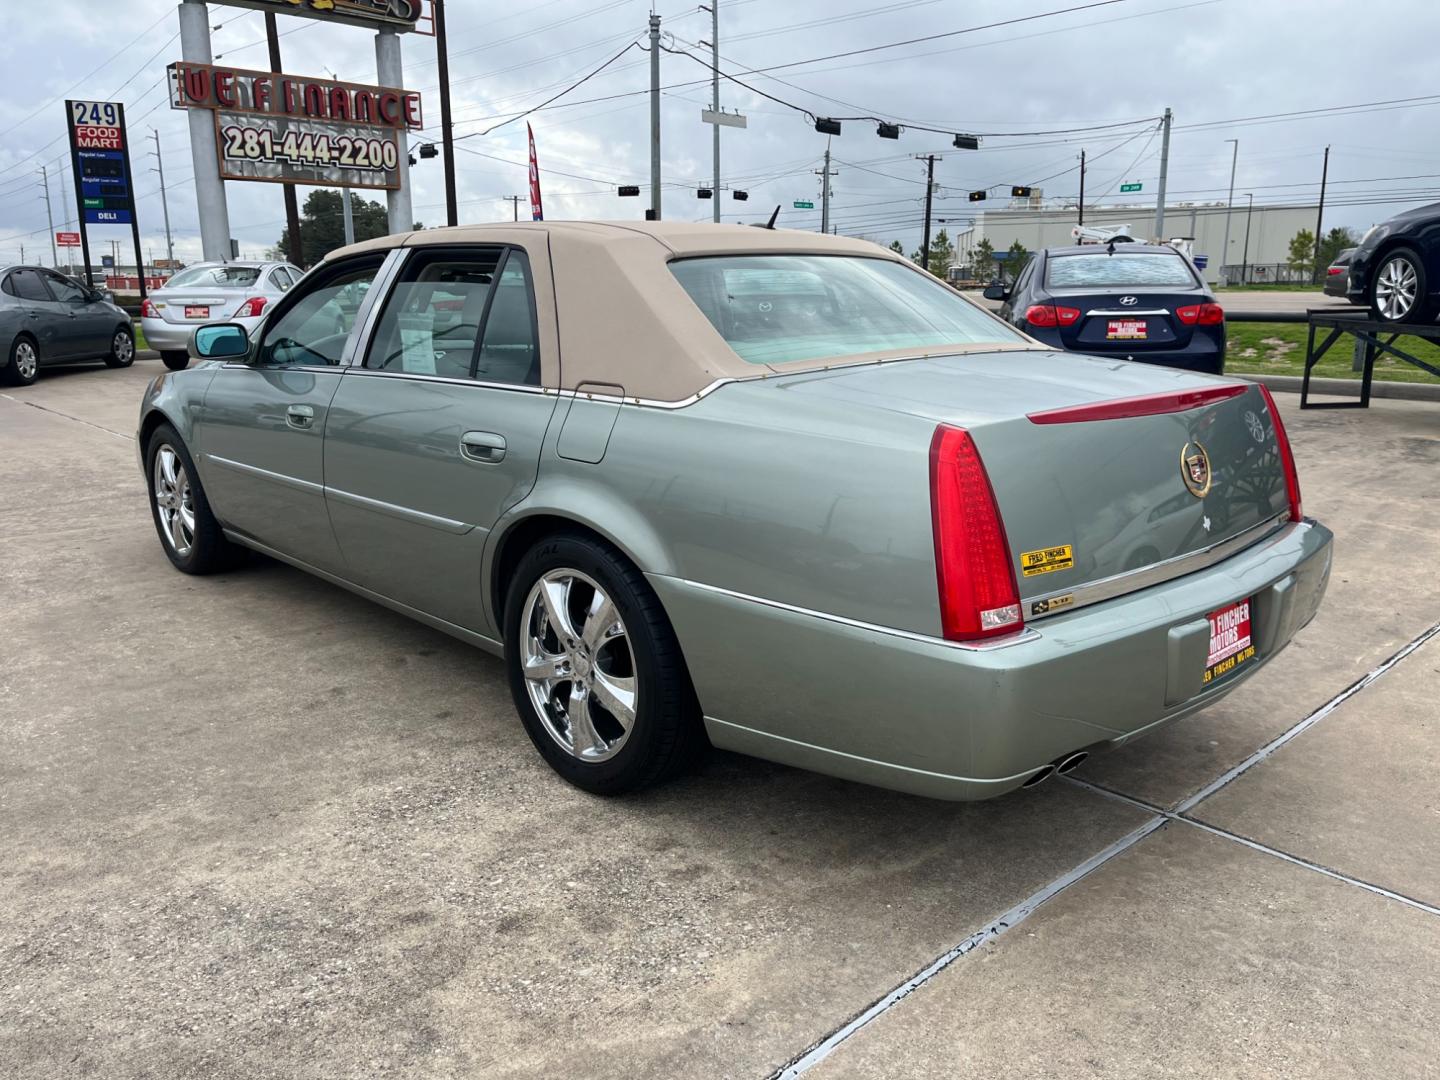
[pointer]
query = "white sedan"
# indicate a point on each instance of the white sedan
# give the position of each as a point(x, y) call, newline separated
point(238, 292)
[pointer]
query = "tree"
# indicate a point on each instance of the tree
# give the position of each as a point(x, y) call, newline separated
point(942, 254)
point(897, 247)
point(983, 260)
point(322, 224)
point(1334, 242)
point(1019, 255)
point(1302, 251)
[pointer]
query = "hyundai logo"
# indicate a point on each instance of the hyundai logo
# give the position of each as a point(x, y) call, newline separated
point(1129, 301)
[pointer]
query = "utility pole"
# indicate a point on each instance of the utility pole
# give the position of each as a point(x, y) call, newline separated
point(929, 197)
point(514, 201)
point(294, 251)
point(447, 129)
point(348, 212)
point(825, 175)
point(1320, 214)
point(1229, 202)
point(1245, 259)
point(1082, 190)
point(655, 119)
point(45, 183)
point(164, 200)
point(715, 96)
point(1164, 172)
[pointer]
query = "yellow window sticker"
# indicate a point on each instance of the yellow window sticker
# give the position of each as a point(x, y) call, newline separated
point(1047, 560)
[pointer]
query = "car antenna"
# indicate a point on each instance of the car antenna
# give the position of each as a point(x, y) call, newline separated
point(771, 223)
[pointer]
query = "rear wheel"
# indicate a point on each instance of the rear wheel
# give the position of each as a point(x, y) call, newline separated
point(595, 669)
point(122, 349)
point(24, 363)
point(1397, 292)
point(188, 531)
point(175, 360)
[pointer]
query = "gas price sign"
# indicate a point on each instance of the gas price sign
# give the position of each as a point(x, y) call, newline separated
point(101, 160)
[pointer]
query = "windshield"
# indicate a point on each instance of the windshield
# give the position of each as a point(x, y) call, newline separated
point(1125, 270)
point(215, 277)
point(776, 308)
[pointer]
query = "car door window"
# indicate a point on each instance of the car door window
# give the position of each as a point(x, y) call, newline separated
point(313, 325)
point(280, 278)
point(433, 321)
point(64, 290)
point(508, 351)
point(27, 285)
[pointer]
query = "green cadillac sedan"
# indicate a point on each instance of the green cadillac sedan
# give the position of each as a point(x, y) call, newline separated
point(772, 491)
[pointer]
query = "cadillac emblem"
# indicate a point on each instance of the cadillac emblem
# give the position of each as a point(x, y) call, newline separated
point(1195, 469)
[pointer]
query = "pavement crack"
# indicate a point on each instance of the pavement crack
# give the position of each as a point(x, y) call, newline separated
point(67, 416)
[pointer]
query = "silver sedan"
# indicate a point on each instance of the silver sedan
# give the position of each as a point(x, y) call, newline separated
point(238, 292)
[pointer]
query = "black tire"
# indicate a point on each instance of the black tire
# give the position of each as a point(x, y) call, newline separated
point(12, 372)
point(122, 348)
point(666, 736)
point(208, 551)
point(1383, 307)
point(175, 360)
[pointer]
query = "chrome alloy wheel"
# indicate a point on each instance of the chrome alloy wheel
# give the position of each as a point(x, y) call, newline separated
point(174, 501)
point(578, 665)
point(1395, 288)
point(27, 360)
point(122, 348)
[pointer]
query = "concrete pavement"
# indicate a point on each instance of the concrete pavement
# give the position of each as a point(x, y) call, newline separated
point(258, 827)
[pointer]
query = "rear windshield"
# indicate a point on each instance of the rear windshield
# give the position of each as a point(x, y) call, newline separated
point(776, 308)
point(215, 277)
point(1126, 270)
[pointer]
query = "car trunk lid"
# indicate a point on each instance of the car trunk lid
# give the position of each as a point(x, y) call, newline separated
point(1087, 493)
point(1126, 320)
point(198, 305)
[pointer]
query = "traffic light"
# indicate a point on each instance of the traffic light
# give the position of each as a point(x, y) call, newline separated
point(740, 196)
point(827, 127)
point(1019, 192)
point(967, 142)
point(977, 196)
point(888, 131)
point(429, 150)
point(704, 193)
point(629, 189)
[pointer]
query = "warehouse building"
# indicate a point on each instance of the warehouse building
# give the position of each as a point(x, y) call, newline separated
point(1271, 228)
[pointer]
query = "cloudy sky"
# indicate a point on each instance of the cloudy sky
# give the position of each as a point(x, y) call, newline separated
point(1038, 91)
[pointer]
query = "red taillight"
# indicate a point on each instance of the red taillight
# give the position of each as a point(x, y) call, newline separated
point(1145, 405)
point(1334, 270)
point(1201, 314)
point(978, 597)
point(1048, 315)
point(148, 310)
point(252, 307)
point(1287, 456)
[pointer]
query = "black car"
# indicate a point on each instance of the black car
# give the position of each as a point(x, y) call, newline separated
point(1396, 268)
point(1141, 302)
point(1337, 277)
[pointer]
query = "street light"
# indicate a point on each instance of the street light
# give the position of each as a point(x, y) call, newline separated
point(1245, 259)
point(1229, 199)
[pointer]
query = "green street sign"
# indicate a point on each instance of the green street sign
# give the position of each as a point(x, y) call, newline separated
point(1126, 188)
point(804, 204)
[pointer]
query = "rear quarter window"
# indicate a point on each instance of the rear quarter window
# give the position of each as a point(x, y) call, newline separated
point(1123, 270)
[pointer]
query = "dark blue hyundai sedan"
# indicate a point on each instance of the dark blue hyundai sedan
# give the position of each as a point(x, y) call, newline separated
point(1140, 302)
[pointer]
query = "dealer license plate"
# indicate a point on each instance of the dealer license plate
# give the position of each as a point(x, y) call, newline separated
point(197, 312)
point(1127, 330)
point(1230, 642)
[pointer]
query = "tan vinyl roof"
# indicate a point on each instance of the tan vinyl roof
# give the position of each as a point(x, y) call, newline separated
point(622, 317)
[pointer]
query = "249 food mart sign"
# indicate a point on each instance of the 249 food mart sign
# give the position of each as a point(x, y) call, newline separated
point(101, 161)
point(294, 130)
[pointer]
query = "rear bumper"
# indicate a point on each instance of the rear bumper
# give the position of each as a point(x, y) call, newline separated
point(163, 336)
point(929, 717)
point(1203, 354)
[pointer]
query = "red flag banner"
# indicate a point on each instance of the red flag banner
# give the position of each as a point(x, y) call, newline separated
point(537, 213)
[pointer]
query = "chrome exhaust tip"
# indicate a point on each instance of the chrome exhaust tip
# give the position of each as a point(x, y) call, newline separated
point(1071, 763)
point(1040, 776)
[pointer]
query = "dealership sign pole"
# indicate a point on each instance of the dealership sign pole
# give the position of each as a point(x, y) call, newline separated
point(104, 187)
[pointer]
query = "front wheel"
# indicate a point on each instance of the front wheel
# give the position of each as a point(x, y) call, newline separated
point(596, 671)
point(1397, 293)
point(188, 531)
point(175, 360)
point(122, 349)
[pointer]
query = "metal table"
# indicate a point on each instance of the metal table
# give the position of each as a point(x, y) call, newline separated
point(1374, 336)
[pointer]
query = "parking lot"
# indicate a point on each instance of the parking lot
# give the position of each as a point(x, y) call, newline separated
point(255, 826)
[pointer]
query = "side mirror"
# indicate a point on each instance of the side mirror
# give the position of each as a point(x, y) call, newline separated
point(996, 292)
point(220, 340)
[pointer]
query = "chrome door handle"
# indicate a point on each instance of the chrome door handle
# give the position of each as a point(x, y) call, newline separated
point(300, 416)
point(483, 446)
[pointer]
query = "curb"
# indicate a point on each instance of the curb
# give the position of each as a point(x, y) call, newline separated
point(1290, 384)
